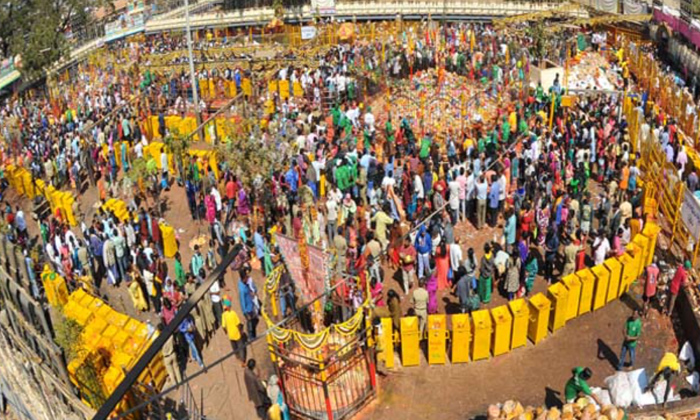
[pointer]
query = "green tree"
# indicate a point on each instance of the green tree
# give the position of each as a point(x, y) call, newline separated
point(36, 29)
point(245, 153)
point(538, 33)
point(178, 145)
point(68, 335)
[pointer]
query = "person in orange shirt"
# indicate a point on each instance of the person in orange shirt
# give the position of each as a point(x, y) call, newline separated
point(624, 180)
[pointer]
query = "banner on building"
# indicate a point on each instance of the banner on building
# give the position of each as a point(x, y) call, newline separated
point(308, 32)
point(323, 7)
point(690, 214)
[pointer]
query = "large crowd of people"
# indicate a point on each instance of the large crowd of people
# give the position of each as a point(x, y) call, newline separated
point(373, 187)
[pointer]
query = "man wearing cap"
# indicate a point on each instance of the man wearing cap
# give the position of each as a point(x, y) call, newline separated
point(577, 385)
point(231, 323)
point(679, 280)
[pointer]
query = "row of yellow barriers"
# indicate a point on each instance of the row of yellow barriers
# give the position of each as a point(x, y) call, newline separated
point(20, 179)
point(206, 159)
point(111, 342)
point(119, 208)
point(507, 327)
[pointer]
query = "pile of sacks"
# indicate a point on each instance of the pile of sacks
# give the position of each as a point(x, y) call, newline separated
point(582, 409)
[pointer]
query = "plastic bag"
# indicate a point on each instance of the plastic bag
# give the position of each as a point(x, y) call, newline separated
point(639, 381)
point(603, 395)
point(686, 355)
point(694, 381)
point(659, 391)
point(621, 392)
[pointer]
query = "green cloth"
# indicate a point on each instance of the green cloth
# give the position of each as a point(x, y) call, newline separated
point(539, 93)
point(633, 327)
point(335, 112)
point(342, 177)
point(484, 289)
point(522, 126)
point(531, 272)
point(389, 130)
point(505, 131)
point(425, 147)
point(576, 385)
point(180, 277)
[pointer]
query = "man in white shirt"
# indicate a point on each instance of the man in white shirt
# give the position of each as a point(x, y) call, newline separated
point(215, 294)
point(331, 218)
point(601, 248)
point(369, 119)
point(453, 188)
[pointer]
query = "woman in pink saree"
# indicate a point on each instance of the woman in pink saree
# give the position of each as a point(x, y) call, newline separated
point(432, 288)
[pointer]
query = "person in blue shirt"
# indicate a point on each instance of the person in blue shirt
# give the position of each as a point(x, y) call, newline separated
point(494, 195)
point(424, 246)
point(247, 299)
point(259, 242)
point(292, 178)
point(188, 331)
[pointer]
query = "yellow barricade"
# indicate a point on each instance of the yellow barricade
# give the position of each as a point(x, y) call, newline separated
point(55, 288)
point(520, 311)
point(573, 286)
point(297, 89)
point(627, 272)
point(615, 269)
point(247, 87)
point(587, 280)
point(502, 327)
point(635, 249)
point(437, 339)
point(481, 344)
point(539, 308)
point(410, 341)
point(651, 231)
point(644, 243)
point(272, 86)
point(558, 295)
point(386, 342)
point(602, 276)
point(461, 336)
point(284, 89)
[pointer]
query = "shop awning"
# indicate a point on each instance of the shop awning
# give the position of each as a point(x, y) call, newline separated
point(9, 78)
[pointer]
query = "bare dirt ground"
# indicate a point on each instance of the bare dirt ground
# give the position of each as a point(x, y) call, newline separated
point(533, 375)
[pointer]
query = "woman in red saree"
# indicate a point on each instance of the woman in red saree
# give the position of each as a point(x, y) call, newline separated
point(442, 266)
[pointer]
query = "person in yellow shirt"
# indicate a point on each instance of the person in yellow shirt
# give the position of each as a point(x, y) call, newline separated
point(669, 367)
point(231, 323)
point(136, 295)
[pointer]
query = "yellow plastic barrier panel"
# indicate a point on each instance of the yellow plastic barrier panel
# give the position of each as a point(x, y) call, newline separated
point(284, 89)
point(461, 336)
point(386, 341)
point(502, 327)
point(651, 231)
point(520, 311)
point(559, 296)
point(272, 86)
point(247, 86)
point(410, 341)
point(627, 274)
point(587, 280)
point(437, 339)
point(637, 249)
point(602, 276)
point(615, 269)
point(481, 345)
point(539, 308)
point(573, 286)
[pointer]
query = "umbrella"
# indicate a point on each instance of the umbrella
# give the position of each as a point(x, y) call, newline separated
point(346, 31)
